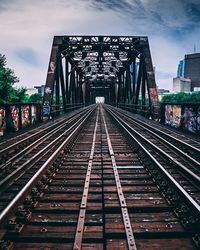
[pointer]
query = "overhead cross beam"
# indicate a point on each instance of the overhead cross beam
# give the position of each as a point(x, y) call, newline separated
point(118, 67)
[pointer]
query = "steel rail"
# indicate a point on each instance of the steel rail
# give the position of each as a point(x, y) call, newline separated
point(126, 219)
point(12, 206)
point(42, 126)
point(2, 151)
point(185, 194)
point(197, 150)
point(83, 206)
point(161, 139)
point(39, 141)
point(37, 156)
point(180, 165)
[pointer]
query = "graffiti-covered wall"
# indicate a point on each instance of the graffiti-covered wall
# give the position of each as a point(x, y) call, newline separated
point(13, 117)
point(182, 116)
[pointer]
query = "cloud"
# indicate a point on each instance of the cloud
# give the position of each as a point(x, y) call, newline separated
point(27, 30)
point(164, 75)
point(28, 55)
point(175, 14)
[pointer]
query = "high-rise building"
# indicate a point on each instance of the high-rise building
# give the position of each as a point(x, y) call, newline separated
point(181, 68)
point(181, 84)
point(190, 68)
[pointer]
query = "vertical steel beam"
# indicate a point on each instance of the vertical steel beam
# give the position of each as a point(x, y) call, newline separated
point(128, 84)
point(151, 83)
point(123, 89)
point(57, 90)
point(76, 87)
point(84, 91)
point(67, 79)
point(138, 81)
point(119, 89)
point(116, 92)
point(62, 86)
point(125, 86)
point(72, 86)
point(133, 80)
point(143, 85)
point(51, 74)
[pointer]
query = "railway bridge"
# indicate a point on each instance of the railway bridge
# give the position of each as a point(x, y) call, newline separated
point(99, 176)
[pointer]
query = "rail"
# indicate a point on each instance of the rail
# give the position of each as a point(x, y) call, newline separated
point(179, 188)
point(11, 207)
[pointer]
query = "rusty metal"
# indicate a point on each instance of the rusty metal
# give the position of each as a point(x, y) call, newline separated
point(83, 206)
point(102, 187)
point(177, 139)
point(185, 194)
point(19, 142)
point(100, 66)
point(124, 210)
point(35, 154)
point(23, 192)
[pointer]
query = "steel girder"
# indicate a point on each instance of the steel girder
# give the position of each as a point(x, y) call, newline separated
point(117, 67)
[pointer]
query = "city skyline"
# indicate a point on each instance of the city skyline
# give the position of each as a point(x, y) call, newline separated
point(27, 30)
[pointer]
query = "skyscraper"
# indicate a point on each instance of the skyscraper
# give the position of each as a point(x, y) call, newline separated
point(181, 67)
point(181, 84)
point(189, 68)
point(192, 69)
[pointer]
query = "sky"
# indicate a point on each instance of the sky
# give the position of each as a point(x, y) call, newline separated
point(27, 28)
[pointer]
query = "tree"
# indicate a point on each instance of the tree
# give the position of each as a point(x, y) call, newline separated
point(181, 97)
point(9, 93)
point(36, 98)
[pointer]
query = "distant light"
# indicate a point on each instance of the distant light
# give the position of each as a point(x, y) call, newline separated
point(100, 99)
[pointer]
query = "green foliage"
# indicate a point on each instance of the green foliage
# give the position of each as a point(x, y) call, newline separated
point(19, 95)
point(193, 97)
point(36, 98)
point(9, 93)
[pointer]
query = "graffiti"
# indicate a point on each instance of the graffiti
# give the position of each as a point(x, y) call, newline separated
point(46, 110)
point(154, 96)
point(52, 67)
point(15, 116)
point(2, 121)
point(189, 119)
point(47, 90)
point(25, 116)
point(168, 114)
point(198, 119)
point(186, 117)
point(33, 114)
point(176, 116)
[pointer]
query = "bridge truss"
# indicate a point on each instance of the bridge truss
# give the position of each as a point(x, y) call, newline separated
point(118, 68)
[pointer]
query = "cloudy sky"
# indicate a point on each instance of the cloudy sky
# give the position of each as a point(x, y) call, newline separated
point(27, 28)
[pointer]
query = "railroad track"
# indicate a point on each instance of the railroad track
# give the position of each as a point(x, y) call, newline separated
point(190, 145)
point(101, 189)
point(17, 170)
point(183, 167)
point(14, 145)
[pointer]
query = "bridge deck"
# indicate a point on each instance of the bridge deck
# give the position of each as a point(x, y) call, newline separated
point(100, 180)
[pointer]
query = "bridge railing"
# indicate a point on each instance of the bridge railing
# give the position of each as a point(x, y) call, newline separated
point(55, 110)
point(17, 116)
point(152, 112)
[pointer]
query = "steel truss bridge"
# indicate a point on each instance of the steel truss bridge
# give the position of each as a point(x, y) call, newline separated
point(118, 68)
point(99, 177)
